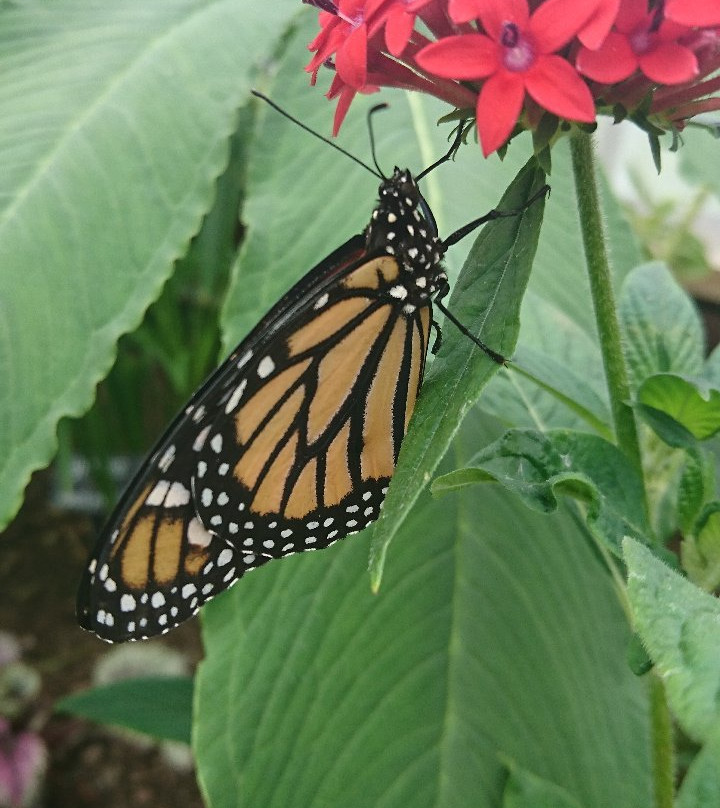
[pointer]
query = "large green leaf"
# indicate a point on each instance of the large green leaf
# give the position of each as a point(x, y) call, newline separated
point(158, 706)
point(115, 125)
point(496, 631)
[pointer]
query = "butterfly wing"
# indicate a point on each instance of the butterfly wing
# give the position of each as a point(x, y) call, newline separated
point(306, 441)
point(291, 443)
point(155, 564)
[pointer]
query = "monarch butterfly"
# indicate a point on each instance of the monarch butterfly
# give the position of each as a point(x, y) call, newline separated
point(292, 441)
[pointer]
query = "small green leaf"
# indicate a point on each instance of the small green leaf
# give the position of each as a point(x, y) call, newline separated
point(680, 626)
point(701, 785)
point(526, 790)
point(701, 551)
point(539, 466)
point(696, 407)
point(486, 299)
point(637, 657)
point(160, 706)
point(711, 372)
point(692, 488)
point(661, 327)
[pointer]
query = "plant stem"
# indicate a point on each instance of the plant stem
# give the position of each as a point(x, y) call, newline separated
point(603, 297)
point(626, 436)
point(663, 761)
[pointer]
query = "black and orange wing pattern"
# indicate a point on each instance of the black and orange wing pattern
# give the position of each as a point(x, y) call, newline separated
point(291, 443)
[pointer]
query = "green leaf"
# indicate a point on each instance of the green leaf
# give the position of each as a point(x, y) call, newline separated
point(689, 403)
point(680, 626)
point(526, 790)
point(701, 551)
point(115, 125)
point(159, 706)
point(496, 631)
point(571, 367)
point(693, 487)
point(486, 299)
point(711, 372)
point(662, 330)
point(701, 785)
point(537, 467)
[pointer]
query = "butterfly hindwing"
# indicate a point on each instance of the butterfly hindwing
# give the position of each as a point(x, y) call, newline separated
point(156, 564)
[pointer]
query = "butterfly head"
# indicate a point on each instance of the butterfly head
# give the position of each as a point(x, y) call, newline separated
point(402, 225)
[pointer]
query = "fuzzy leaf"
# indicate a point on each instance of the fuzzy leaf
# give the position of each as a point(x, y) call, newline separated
point(690, 404)
point(539, 466)
point(486, 299)
point(661, 327)
point(680, 626)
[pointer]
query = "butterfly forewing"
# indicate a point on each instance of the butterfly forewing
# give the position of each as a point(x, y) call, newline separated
point(304, 446)
point(291, 443)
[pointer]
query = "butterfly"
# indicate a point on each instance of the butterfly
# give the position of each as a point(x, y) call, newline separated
point(291, 443)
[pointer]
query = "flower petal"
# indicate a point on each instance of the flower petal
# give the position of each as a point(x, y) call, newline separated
point(631, 15)
point(612, 62)
point(495, 13)
point(556, 22)
point(669, 63)
point(351, 59)
point(498, 108)
point(470, 56)
point(398, 28)
point(464, 10)
point(556, 86)
point(693, 12)
point(593, 33)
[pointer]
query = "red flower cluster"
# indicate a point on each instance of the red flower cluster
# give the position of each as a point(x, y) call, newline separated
point(514, 60)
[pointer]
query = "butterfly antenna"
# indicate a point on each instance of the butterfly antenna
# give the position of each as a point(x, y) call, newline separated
point(371, 133)
point(459, 135)
point(329, 142)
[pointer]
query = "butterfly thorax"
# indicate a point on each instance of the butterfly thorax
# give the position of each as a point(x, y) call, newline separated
point(403, 226)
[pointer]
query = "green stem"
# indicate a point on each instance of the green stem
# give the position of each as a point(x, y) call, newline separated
point(603, 297)
point(618, 386)
point(663, 752)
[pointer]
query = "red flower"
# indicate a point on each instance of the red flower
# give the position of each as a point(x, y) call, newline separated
point(399, 18)
point(693, 12)
point(640, 40)
point(516, 56)
point(593, 33)
point(344, 34)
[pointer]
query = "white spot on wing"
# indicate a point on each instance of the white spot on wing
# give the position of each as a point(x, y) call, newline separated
point(216, 443)
point(234, 399)
point(244, 359)
point(265, 367)
point(127, 603)
point(157, 495)
point(166, 460)
point(197, 534)
point(177, 496)
point(199, 442)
